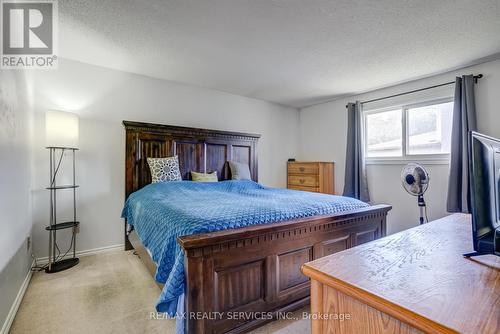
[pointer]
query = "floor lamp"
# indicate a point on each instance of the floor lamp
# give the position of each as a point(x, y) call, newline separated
point(61, 130)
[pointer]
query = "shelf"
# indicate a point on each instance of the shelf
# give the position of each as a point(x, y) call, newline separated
point(62, 187)
point(57, 155)
point(61, 226)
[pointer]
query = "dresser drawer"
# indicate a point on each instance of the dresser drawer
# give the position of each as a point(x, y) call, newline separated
point(303, 188)
point(303, 168)
point(303, 180)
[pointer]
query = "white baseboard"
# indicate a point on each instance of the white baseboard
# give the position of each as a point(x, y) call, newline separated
point(15, 306)
point(44, 260)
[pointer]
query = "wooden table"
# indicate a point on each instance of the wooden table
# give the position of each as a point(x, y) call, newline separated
point(410, 282)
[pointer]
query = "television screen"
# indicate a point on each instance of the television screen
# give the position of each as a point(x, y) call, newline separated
point(484, 176)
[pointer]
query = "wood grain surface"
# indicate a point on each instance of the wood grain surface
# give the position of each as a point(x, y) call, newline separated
point(420, 277)
point(314, 176)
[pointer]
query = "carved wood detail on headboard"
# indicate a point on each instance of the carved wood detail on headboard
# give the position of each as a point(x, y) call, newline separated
point(200, 150)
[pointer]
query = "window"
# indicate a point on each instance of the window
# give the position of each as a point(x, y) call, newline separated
point(429, 129)
point(409, 132)
point(384, 134)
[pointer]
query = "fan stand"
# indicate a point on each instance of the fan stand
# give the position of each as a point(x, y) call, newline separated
point(421, 206)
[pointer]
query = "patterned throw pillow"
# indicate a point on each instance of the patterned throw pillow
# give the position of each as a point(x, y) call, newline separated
point(204, 177)
point(164, 169)
point(239, 171)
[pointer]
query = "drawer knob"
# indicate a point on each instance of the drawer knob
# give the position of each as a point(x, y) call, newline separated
point(302, 180)
point(302, 169)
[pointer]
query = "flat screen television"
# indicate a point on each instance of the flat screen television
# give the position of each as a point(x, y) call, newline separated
point(484, 175)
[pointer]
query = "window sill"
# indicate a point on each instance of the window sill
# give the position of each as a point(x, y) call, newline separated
point(422, 161)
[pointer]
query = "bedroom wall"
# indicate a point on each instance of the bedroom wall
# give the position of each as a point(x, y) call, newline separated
point(15, 180)
point(323, 137)
point(103, 98)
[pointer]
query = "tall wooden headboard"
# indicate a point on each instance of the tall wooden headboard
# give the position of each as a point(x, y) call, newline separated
point(200, 150)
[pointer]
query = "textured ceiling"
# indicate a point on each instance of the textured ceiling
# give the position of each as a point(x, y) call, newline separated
point(294, 52)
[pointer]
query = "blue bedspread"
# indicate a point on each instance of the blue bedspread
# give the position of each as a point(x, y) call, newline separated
point(161, 212)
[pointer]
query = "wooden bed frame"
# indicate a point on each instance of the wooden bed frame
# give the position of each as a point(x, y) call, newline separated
point(254, 270)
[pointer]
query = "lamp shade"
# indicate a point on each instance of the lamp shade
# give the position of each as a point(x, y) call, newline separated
point(61, 129)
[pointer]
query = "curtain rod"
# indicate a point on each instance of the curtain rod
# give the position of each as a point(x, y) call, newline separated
point(476, 77)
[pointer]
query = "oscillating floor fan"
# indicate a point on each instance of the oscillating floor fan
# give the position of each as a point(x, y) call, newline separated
point(415, 180)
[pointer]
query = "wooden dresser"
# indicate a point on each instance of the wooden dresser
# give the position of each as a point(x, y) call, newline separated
point(311, 176)
point(415, 281)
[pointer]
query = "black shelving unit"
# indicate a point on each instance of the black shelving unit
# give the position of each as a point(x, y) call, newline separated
point(58, 262)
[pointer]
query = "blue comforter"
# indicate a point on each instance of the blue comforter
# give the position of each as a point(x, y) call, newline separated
point(161, 212)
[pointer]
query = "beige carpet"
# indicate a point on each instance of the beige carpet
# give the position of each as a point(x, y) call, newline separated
point(106, 293)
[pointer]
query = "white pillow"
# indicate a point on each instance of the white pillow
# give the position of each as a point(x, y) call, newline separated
point(164, 169)
point(239, 171)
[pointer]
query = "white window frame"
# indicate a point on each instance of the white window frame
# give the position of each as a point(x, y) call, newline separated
point(435, 159)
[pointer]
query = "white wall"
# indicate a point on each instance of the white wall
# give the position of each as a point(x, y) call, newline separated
point(323, 131)
point(15, 180)
point(15, 166)
point(103, 98)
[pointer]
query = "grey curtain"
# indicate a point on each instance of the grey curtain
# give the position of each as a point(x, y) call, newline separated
point(464, 120)
point(355, 184)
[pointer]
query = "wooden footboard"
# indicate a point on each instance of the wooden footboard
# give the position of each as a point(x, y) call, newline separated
point(239, 279)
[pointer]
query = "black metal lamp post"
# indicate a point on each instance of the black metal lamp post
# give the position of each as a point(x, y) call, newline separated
point(62, 136)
